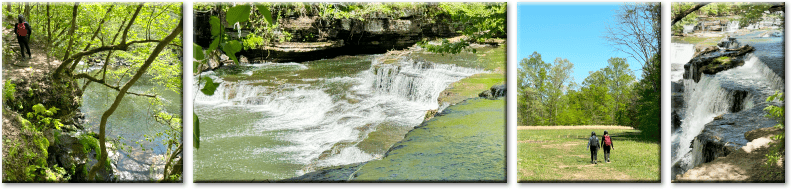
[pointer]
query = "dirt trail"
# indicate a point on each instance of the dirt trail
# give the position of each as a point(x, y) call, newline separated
point(572, 127)
point(587, 171)
point(17, 68)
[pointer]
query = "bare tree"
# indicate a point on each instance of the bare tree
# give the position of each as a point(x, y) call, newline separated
point(636, 30)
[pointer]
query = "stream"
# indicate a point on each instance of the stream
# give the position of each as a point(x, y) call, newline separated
point(133, 121)
point(273, 121)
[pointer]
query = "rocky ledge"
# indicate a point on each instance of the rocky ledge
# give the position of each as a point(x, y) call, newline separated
point(746, 163)
point(728, 54)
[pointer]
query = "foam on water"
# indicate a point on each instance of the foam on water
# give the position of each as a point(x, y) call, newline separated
point(314, 119)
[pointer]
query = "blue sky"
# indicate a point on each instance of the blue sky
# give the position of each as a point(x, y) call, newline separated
point(569, 30)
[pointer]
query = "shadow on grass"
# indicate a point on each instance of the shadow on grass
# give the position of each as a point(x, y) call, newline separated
point(636, 136)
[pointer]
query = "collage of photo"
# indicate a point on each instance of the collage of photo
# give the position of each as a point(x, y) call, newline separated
point(393, 92)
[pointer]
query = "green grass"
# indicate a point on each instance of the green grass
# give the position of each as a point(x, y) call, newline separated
point(470, 87)
point(560, 155)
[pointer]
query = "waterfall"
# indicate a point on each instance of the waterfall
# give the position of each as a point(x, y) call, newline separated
point(734, 90)
point(705, 100)
point(323, 121)
point(417, 81)
point(680, 54)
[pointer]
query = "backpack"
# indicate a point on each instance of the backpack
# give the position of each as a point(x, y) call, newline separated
point(607, 141)
point(21, 30)
point(593, 142)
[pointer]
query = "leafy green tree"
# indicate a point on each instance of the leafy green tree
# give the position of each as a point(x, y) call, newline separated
point(147, 35)
point(480, 21)
point(542, 88)
point(647, 106)
point(619, 81)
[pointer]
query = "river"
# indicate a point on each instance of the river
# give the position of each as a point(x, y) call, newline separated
point(133, 120)
point(273, 121)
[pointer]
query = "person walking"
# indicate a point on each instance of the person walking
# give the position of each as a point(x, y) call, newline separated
point(593, 145)
point(606, 142)
point(23, 32)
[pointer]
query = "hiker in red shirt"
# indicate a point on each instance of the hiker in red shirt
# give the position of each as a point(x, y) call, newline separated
point(606, 142)
point(23, 32)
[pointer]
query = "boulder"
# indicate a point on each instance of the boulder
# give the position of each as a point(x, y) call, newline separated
point(715, 59)
point(494, 92)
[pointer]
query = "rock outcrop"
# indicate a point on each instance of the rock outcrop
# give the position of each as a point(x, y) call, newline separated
point(313, 37)
point(716, 59)
point(744, 164)
point(493, 93)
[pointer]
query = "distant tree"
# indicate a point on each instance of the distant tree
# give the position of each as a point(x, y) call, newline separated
point(647, 101)
point(596, 98)
point(542, 87)
point(619, 81)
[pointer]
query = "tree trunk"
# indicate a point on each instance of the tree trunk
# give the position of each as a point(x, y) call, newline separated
point(49, 35)
point(95, 33)
point(27, 11)
point(142, 70)
point(71, 31)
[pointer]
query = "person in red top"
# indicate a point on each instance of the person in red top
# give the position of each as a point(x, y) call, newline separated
point(23, 32)
point(606, 143)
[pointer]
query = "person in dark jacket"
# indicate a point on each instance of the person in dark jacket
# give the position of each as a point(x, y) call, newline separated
point(606, 143)
point(23, 37)
point(593, 145)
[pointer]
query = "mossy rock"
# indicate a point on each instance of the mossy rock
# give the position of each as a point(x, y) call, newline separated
point(464, 143)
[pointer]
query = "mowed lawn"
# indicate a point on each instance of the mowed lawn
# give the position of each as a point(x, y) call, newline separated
point(560, 155)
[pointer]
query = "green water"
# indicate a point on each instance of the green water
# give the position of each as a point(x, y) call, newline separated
point(133, 121)
point(275, 121)
point(465, 144)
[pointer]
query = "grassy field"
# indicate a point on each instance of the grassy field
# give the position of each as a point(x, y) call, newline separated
point(560, 155)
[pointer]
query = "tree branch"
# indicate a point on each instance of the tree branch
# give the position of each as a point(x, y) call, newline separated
point(123, 91)
point(102, 82)
point(681, 15)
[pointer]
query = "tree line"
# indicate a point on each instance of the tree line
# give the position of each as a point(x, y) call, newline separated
point(548, 95)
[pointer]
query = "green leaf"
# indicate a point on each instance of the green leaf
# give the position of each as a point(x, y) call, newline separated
point(209, 87)
point(239, 13)
point(231, 48)
point(195, 65)
point(195, 131)
point(214, 45)
point(38, 108)
point(197, 52)
point(264, 11)
point(216, 26)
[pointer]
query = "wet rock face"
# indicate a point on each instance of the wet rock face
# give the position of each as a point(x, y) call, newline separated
point(730, 132)
point(314, 37)
point(677, 104)
point(713, 60)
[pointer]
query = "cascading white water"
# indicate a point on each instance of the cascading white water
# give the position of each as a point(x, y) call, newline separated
point(775, 81)
point(680, 54)
point(315, 118)
point(704, 100)
point(713, 96)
